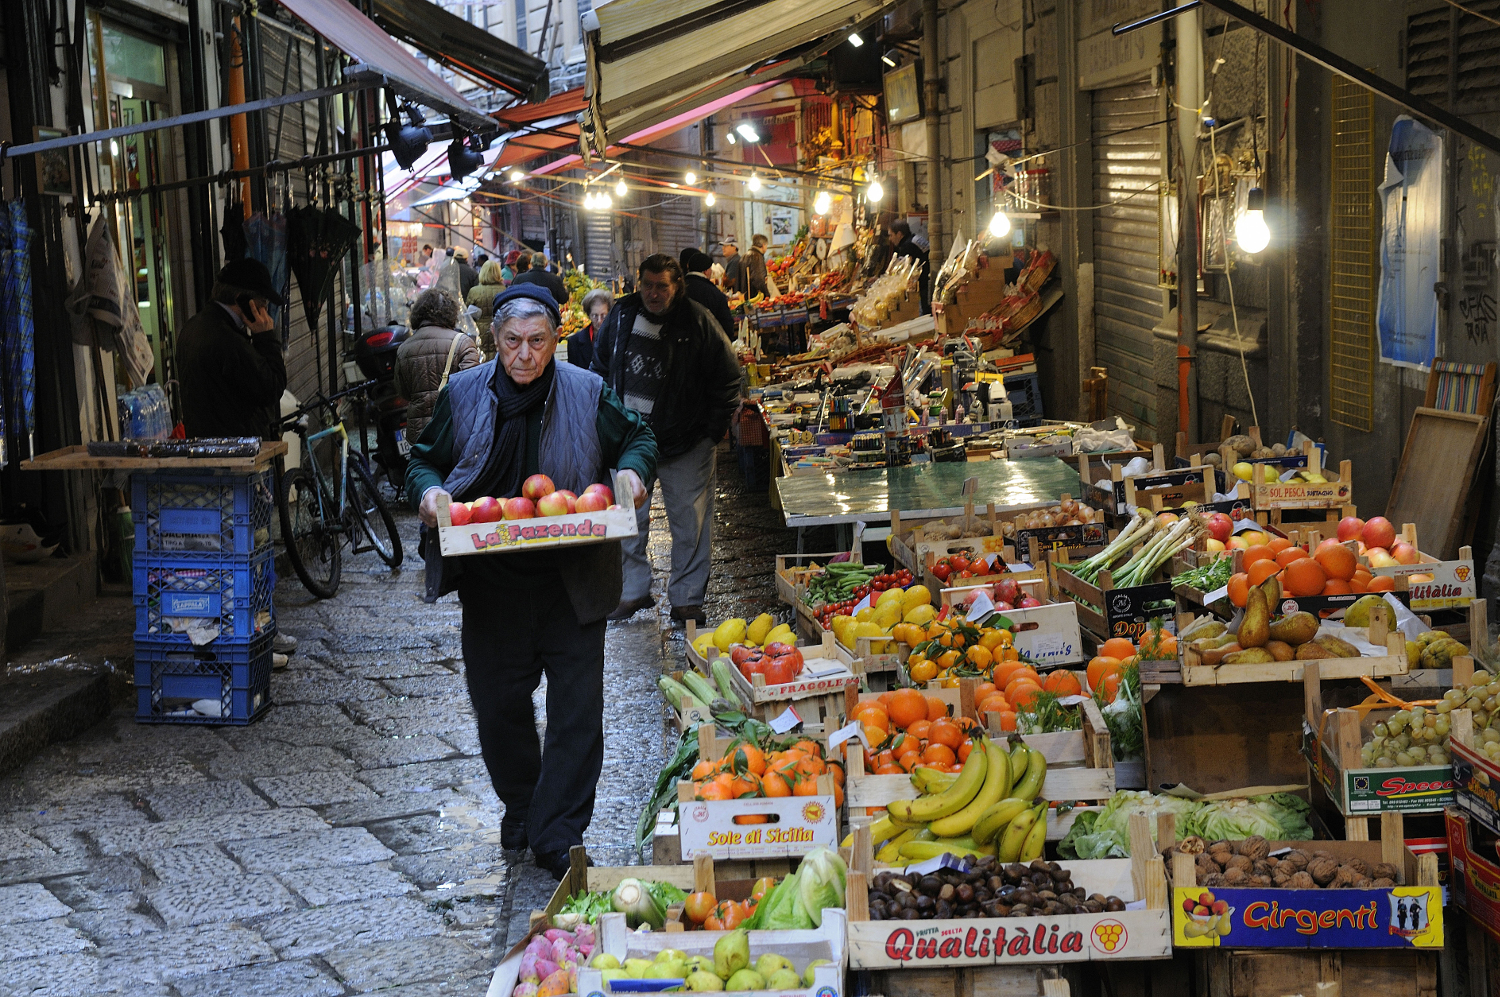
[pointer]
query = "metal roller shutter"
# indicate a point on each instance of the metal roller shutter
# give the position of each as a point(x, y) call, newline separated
point(1127, 298)
point(675, 222)
point(599, 249)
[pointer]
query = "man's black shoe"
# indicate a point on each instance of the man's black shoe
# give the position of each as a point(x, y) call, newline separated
point(558, 864)
point(513, 833)
point(684, 613)
point(625, 610)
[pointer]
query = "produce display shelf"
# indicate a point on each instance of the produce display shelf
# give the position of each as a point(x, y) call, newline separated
point(77, 458)
point(792, 571)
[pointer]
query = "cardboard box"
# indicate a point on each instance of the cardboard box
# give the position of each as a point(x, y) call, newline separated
point(574, 529)
point(1476, 785)
point(1474, 879)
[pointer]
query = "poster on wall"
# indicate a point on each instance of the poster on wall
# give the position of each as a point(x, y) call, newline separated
point(1412, 199)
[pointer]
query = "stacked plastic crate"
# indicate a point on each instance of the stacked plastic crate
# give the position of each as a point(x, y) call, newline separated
point(204, 575)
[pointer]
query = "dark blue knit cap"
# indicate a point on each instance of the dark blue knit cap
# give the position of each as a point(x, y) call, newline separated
point(534, 292)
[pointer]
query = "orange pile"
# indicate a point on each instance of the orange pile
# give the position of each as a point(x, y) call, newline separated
point(909, 730)
point(1331, 570)
point(961, 649)
point(747, 772)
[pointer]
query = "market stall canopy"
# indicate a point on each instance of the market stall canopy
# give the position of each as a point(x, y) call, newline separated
point(568, 103)
point(651, 60)
point(463, 47)
point(381, 55)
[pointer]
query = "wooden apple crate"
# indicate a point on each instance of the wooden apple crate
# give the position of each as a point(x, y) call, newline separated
point(1332, 495)
point(792, 571)
point(702, 664)
point(913, 556)
point(1091, 598)
point(819, 701)
point(1331, 743)
point(1393, 662)
point(1080, 767)
point(1146, 935)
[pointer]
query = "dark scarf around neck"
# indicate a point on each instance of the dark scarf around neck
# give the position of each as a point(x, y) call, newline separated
point(506, 468)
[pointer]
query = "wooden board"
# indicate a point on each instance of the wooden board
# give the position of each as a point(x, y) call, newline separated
point(77, 458)
point(1433, 479)
point(1215, 738)
point(1278, 972)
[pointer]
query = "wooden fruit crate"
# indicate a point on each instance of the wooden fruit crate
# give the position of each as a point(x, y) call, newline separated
point(1048, 634)
point(1104, 609)
point(703, 664)
point(969, 942)
point(1336, 493)
point(913, 556)
point(1393, 662)
point(1332, 741)
point(792, 573)
point(819, 701)
point(1280, 972)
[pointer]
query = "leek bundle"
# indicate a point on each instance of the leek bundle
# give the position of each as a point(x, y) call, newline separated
point(1137, 530)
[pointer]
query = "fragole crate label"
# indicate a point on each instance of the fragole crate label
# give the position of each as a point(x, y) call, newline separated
point(1385, 917)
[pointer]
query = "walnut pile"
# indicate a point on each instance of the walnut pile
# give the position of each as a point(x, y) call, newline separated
point(1249, 863)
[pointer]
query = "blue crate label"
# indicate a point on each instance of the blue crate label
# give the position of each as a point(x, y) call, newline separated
point(190, 521)
point(190, 604)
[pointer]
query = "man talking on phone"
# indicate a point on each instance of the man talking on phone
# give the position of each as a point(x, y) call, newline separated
point(229, 364)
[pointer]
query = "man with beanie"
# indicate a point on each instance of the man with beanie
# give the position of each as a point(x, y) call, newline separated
point(696, 263)
point(527, 613)
point(668, 359)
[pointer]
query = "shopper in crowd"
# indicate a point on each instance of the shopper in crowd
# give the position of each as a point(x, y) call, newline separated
point(736, 278)
point(898, 236)
point(700, 287)
point(539, 275)
point(231, 371)
point(523, 263)
point(529, 613)
point(431, 354)
point(482, 296)
point(669, 360)
point(596, 305)
point(508, 271)
point(467, 275)
point(755, 266)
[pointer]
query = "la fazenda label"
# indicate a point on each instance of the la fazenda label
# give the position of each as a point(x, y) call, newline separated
point(516, 533)
point(1394, 917)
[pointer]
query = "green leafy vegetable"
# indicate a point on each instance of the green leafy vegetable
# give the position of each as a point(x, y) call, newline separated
point(1214, 575)
point(1083, 824)
point(635, 901)
point(582, 908)
point(1127, 739)
point(665, 894)
point(820, 882)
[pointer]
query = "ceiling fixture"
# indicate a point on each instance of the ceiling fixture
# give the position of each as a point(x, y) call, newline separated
point(730, 136)
point(888, 61)
point(1250, 230)
point(855, 40)
point(516, 176)
point(465, 155)
point(690, 177)
point(874, 192)
point(1000, 224)
point(709, 201)
point(408, 142)
point(621, 190)
point(754, 182)
point(822, 202)
point(747, 131)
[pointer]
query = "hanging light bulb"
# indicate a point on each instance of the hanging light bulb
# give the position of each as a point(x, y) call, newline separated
point(1000, 224)
point(621, 190)
point(747, 131)
point(588, 200)
point(754, 182)
point(822, 202)
point(603, 202)
point(730, 136)
point(516, 176)
point(690, 178)
point(709, 201)
point(874, 192)
point(1250, 231)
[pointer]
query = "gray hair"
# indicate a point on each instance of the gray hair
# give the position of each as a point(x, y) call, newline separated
point(433, 307)
point(598, 294)
point(538, 261)
point(523, 308)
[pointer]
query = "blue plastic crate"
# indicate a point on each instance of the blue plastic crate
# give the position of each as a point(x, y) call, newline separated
point(234, 591)
point(202, 513)
point(170, 677)
point(1025, 394)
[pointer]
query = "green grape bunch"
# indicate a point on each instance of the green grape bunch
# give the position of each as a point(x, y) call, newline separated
point(1419, 736)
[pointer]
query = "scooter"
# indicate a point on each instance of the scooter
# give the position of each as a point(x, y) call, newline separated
point(375, 353)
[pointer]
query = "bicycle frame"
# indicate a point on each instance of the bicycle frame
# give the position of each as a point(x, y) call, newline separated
point(338, 486)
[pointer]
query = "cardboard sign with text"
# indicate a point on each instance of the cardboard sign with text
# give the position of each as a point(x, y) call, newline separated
point(1388, 917)
point(1040, 941)
point(1450, 585)
point(757, 828)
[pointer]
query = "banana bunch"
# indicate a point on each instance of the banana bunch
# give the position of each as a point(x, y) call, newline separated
point(988, 808)
point(1434, 649)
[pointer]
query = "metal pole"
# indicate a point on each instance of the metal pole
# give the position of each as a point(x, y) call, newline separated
point(931, 72)
point(1189, 96)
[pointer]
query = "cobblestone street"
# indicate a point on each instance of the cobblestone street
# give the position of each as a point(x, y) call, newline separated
point(349, 840)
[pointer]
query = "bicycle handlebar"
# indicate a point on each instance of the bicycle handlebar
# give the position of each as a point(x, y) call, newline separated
point(320, 400)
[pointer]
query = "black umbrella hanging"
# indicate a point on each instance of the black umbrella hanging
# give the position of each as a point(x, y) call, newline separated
point(316, 241)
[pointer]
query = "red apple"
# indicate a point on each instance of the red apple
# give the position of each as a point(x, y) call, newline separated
point(519, 508)
point(1350, 527)
point(459, 512)
point(1405, 553)
point(485, 510)
point(597, 489)
point(1379, 532)
point(538, 485)
point(1220, 526)
point(590, 502)
point(572, 499)
point(553, 504)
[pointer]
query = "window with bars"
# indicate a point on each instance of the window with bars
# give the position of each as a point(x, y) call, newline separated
point(1351, 324)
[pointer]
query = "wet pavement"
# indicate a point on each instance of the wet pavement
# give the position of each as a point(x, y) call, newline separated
point(349, 840)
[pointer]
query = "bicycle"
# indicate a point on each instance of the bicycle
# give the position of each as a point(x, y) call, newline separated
point(318, 510)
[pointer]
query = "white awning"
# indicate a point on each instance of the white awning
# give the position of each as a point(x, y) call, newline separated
point(650, 60)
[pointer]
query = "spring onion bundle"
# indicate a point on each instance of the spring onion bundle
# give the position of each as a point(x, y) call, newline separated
point(1158, 551)
point(1138, 529)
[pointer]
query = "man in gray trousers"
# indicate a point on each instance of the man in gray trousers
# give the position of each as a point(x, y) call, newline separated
point(665, 356)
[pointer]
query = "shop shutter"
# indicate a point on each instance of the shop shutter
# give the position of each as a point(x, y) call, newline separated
point(675, 221)
point(1433, 35)
point(599, 248)
point(1127, 298)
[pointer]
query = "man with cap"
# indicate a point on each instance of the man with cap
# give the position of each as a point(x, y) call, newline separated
point(229, 364)
point(696, 264)
point(467, 275)
point(736, 277)
point(527, 613)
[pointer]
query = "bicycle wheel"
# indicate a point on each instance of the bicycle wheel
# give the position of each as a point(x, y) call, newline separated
point(312, 542)
point(366, 506)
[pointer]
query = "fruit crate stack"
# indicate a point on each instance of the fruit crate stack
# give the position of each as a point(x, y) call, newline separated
point(204, 574)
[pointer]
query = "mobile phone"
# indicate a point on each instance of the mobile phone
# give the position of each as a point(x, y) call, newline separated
point(244, 303)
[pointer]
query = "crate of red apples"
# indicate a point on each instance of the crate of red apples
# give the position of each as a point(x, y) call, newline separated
point(541, 516)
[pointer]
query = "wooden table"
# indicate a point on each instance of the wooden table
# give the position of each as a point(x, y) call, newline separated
point(77, 458)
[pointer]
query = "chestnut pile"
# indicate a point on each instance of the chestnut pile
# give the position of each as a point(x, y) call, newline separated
point(987, 890)
point(1249, 863)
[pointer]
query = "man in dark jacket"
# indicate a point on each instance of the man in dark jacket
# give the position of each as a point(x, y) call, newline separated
point(902, 244)
point(229, 361)
point(735, 277)
point(755, 266)
point(668, 359)
point(702, 290)
point(538, 275)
